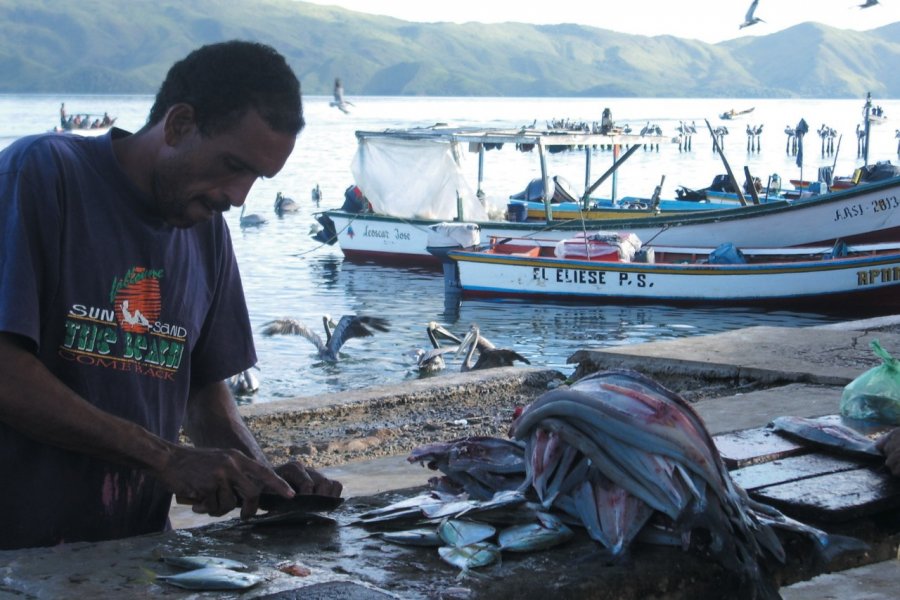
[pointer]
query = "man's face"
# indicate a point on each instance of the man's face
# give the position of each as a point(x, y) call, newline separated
point(198, 176)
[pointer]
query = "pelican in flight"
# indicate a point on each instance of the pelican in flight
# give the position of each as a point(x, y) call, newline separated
point(432, 361)
point(339, 101)
point(489, 356)
point(750, 19)
point(251, 220)
point(244, 383)
point(350, 326)
point(283, 204)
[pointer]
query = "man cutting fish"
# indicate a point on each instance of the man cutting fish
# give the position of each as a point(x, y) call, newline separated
point(122, 310)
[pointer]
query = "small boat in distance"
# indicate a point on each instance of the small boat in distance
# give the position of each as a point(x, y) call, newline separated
point(83, 123)
point(731, 114)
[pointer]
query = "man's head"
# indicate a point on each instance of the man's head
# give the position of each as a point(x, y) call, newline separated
point(226, 115)
point(223, 81)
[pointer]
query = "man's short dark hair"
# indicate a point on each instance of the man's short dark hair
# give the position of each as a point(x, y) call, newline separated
point(223, 81)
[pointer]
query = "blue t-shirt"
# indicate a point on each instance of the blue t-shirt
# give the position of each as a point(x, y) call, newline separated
point(126, 310)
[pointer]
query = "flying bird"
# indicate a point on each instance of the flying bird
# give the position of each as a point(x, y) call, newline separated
point(339, 101)
point(349, 326)
point(244, 383)
point(868, 3)
point(750, 19)
point(489, 356)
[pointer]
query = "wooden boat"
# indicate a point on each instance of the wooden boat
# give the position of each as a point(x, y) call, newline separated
point(428, 187)
point(868, 276)
point(732, 114)
point(85, 131)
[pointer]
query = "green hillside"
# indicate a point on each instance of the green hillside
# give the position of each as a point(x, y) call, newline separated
point(125, 46)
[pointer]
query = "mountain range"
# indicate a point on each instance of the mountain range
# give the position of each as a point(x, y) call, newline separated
point(126, 46)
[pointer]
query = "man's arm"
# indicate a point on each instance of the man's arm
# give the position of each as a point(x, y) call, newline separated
point(213, 421)
point(38, 405)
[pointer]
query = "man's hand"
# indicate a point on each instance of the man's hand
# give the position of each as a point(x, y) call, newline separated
point(305, 480)
point(216, 481)
point(889, 444)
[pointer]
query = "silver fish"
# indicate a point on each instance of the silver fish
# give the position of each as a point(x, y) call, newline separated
point(200, 562)
point(472, 556)
point(413, 537)
point(212, 578)
point(459, 532)
point(830, 435)
point(547, 533)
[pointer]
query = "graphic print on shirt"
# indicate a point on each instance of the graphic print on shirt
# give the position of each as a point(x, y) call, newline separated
point(129, 336)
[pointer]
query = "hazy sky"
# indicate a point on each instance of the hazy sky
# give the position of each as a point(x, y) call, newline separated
point(707, 20)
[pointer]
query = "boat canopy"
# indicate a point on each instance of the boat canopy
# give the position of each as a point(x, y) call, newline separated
point(419, 172)
point(415, 178)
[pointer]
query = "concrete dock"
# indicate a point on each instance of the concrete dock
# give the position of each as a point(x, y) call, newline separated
point(739, 380)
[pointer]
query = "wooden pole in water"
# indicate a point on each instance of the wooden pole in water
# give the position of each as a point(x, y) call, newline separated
point(547, 193)
point(731, 178)
point(610, 171)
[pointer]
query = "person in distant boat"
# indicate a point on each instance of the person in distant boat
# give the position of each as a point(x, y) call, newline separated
point(62, 115)
point(112, 344)
point(889, 444)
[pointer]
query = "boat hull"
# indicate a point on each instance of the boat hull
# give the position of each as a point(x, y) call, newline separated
point(865, 213)
point(867, 281)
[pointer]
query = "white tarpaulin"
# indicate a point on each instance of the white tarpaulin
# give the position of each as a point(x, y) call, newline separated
point(414, 179)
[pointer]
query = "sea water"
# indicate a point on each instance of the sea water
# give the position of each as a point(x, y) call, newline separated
point(287, 274)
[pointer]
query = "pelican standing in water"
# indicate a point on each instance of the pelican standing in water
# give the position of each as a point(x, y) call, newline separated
point(750, 19)
point(283, 204)
point(489, 356)
point(251, 220)
point(350, 326)
point(339, 101)
point(432, 361)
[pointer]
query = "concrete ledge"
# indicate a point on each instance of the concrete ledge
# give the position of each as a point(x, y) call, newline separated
point(766, 355)
point(446, 388)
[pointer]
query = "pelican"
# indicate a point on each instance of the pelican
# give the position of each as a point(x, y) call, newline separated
point(868, 4)
point(432, 361)
point(350, 326)
point(284, 204)
point(489, 356)
point(244, 383)
point(251, 220)
point(750, 19)
point(339, 101)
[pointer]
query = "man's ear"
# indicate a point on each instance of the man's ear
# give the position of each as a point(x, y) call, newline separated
point(179, 123)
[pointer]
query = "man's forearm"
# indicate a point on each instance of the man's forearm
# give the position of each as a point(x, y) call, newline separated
point(213, 421)
point(37, 404)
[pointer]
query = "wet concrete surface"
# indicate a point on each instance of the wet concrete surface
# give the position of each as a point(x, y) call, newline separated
point(780, 372)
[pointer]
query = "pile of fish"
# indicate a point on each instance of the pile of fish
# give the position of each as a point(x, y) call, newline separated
point(463, 529)
point(625, 458)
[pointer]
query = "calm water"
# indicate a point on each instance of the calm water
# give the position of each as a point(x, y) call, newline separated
point(287, 274)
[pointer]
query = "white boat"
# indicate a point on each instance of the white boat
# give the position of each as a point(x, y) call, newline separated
point(413, 180)
point(85, 131)
point(604, 268)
